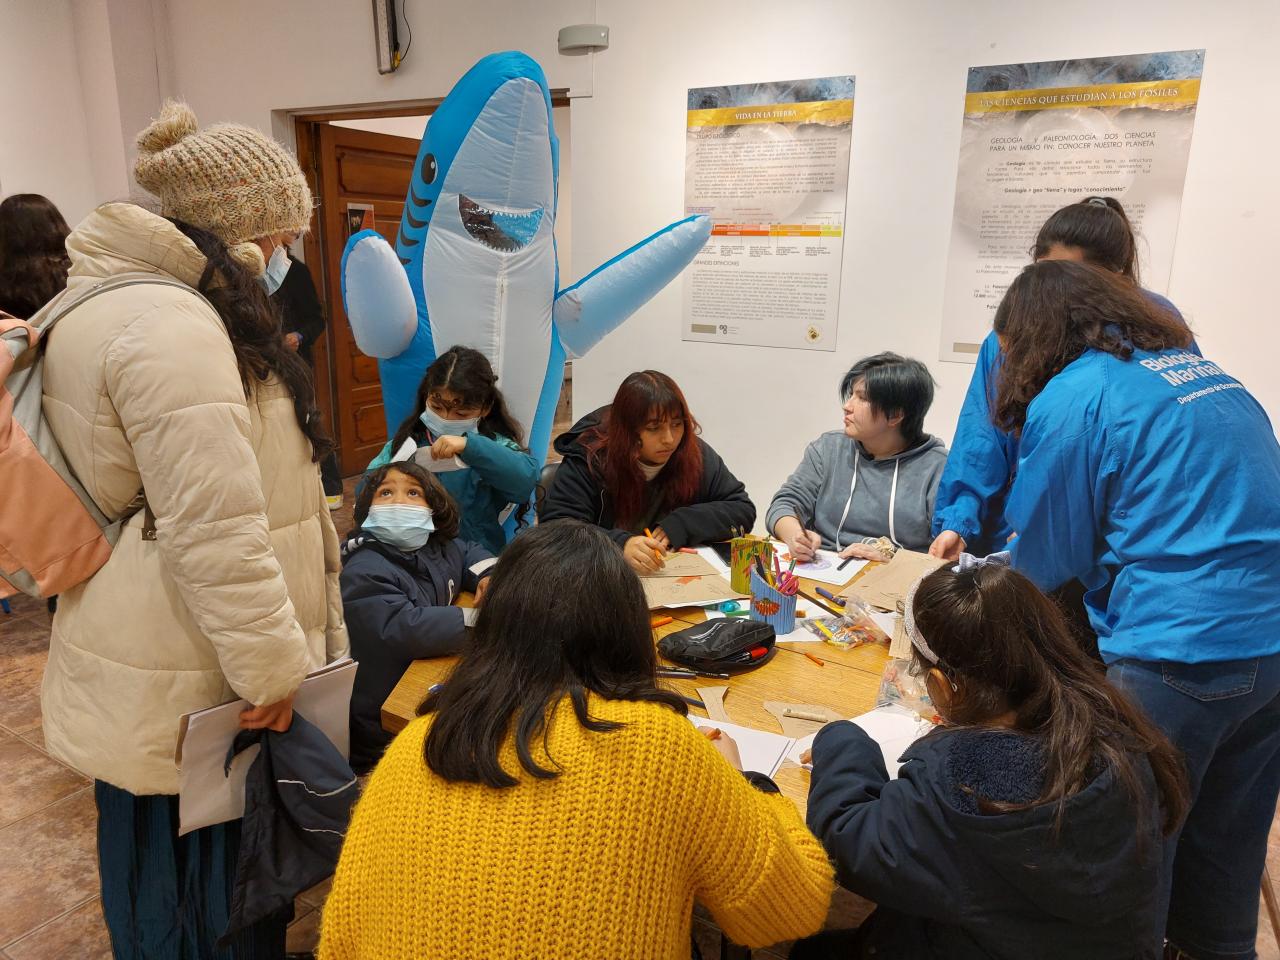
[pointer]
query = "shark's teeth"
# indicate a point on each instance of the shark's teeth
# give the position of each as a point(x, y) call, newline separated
point(502, 230)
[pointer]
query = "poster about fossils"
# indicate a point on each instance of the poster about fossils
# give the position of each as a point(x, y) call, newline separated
point(1038, 136)
point(769, 164)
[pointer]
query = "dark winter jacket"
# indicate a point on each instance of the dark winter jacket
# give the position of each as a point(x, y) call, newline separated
point(720, 504)
point(397, 608)
point(300, 310)
point(952, 881)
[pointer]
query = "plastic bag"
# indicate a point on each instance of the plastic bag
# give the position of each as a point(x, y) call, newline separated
point(900, 685)
point(853, 628)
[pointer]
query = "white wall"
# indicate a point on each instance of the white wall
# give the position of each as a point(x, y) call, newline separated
point(249, 61)
point(910, 60)
point(43, 147)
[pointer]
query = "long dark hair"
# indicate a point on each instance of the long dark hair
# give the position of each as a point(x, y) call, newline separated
point(1100, 228)
point(564, 616)
point(614, 447)
point(468, 373)
point(33, 253)
point(1006, 646)
point(444, 512)
point(253, 323)
point(1053, 312)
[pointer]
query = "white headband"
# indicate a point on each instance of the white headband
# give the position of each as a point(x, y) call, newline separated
point(967, 563)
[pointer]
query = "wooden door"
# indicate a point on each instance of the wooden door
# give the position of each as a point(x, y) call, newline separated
point(356, 167)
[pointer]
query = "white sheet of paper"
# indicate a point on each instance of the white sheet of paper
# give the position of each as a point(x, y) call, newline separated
point(713, 558)
point(824, 569)
point(206, 795)
point(761, 752)
point(893, 728)
point(422, 457)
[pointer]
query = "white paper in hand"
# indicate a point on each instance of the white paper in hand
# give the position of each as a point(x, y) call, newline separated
point(893, 728)
point(206, 795)
point(424, 459)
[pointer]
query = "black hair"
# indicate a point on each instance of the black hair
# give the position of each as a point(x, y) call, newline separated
point(564, 617)
point(1099, 227)
point(1053, 312)
point(33, 253)
point(894, 384)
point(468, 373)
point(253, 324)
point(1007, 647)
point(444, 511)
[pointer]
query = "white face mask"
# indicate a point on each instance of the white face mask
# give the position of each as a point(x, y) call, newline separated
point(277, 267)
point(440, 427)
point(400, 525)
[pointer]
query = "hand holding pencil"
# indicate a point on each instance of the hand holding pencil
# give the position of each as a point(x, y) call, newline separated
point(724, 743)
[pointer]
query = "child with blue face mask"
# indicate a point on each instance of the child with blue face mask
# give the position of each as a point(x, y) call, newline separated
point(402, 570)
point(463, 434)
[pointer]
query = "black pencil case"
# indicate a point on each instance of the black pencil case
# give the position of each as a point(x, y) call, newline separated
point(727, 645)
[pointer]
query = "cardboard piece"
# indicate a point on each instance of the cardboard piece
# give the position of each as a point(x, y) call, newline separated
point(660, 592)
point(801, 726)
point(207, 795)
point(884, 586)
point(713, 697)
point(682, 565)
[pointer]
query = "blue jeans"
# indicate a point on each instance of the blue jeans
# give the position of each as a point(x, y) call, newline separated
point(1225, 718)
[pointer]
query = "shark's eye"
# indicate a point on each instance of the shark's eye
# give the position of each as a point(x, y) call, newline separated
point(428, 170)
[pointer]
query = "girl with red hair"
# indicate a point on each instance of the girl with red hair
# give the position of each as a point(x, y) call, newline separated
point(638, 469)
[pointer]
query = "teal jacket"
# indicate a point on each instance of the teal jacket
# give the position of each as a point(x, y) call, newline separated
point(499, 473)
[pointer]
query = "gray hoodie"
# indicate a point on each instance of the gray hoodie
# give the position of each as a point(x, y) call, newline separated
point(845, 494)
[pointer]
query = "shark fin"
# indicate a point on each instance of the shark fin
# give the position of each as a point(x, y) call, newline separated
point(588, 311)
point(377, 297)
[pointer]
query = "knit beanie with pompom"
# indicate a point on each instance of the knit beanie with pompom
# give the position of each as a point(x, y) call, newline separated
point(228, 179)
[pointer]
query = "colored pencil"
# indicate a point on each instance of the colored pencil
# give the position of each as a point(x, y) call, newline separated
point(692, 702)
point(822, 604)
point(656, 555)
point(660, 621)
point(838, 601)
point(823, 627)
point(844, 563)
point(813, 658)
point(714, 734)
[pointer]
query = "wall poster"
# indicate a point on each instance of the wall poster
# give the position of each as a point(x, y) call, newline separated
point(1038, 136)
point(769, 163)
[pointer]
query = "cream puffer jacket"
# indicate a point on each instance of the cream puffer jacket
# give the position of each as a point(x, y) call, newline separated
point(238, 594)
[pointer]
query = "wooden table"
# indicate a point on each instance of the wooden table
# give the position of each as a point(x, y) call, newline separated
point(847, 682)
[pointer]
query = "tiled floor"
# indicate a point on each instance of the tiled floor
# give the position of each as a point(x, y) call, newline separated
point(49, 907)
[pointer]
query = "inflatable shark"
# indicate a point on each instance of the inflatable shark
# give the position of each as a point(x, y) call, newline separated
point(475, 258)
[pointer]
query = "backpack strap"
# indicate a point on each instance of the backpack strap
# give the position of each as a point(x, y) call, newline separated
point(59, 309)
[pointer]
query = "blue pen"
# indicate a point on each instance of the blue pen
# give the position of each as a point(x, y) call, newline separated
point(831, 596)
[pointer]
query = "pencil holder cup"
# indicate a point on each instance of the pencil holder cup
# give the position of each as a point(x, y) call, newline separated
point(742, 557)
point(768, 605)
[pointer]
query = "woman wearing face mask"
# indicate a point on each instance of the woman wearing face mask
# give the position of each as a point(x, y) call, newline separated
point(178, 388)
point(293, 291)
point(639, 469)
point(875, 478)
point(464, 435)
point(402, 570)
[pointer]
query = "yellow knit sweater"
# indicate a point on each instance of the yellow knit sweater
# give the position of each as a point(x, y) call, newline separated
point(603, 862)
